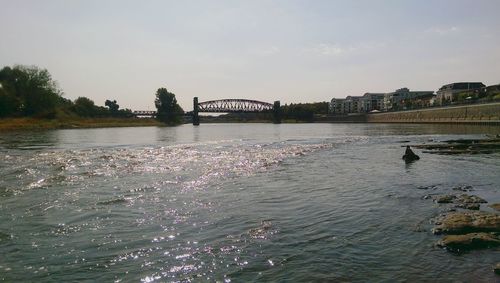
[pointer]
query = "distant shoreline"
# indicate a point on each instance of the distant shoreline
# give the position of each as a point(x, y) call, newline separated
point(480, 114)
point(33, 124)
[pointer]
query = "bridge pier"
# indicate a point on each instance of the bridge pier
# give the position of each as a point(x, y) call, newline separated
point(196, 116)
point(277, 112)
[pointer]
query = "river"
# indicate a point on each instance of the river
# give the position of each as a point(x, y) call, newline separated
point(235, 203)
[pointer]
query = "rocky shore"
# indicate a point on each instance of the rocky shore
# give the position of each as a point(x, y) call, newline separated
point(466, 222)
point(463, 226)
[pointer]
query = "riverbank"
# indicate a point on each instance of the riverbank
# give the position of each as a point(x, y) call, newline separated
point(482, 114)
point(23, 124)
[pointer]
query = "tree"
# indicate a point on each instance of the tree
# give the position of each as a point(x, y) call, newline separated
point(113, 106)
point(31, 90)
point(86, 107)
point(8, 103)
point(168, 110)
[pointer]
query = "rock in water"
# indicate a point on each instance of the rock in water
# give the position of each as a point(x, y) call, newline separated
point(446, 199)
point(467, 222)
point(410, 156)
point(496, 268)
point(469, 206)
point(458, 243)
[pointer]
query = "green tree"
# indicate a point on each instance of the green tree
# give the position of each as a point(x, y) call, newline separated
point(168, 110)
point(113, 106)
point(31, 90)
point(85, 107)
point(8, 103)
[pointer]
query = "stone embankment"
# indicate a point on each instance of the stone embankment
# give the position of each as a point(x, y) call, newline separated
point(484, 114)
point(472, 113)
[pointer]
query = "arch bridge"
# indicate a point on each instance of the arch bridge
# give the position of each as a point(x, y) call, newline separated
point(234, 106)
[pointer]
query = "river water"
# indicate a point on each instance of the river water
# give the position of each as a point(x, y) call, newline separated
point(235, 203)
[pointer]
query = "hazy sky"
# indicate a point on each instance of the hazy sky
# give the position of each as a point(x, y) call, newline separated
point(292, 51)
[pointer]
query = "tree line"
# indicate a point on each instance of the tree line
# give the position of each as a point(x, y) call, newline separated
point(303, 112)
point(28, 91)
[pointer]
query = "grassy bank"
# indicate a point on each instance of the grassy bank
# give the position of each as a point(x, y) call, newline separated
point(15, 124)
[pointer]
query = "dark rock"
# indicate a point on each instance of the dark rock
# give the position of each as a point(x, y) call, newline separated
point(4, 237)
point(476, 146)
point(463, 188)
point(467, 222)
point(445, 199)
point(409, 155)
point(433, 187)
point(496, 268)
point(262, 231)
point(113, 201)
point(470, 206)
point(464, 198)
point(458, 243)
point(462, 201)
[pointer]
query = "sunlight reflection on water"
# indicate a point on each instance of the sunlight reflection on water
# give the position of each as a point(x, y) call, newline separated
point(252, 205)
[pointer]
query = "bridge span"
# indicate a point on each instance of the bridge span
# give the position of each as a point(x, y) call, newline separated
point(144, 114)
point(235, 106)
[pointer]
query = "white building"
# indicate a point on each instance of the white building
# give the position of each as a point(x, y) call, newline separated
point(403, 98)
point(448, 93)
point(357, 104)
point(397, 100)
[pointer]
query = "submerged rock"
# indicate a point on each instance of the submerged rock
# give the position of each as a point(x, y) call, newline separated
point(261, 231)
point(432, 187)
point(468, 222)
point(464, 198)
point(464, 201)
point(469, 206)
point(463, 188)
point(445, 199)
point(113, 201)
point(4, 237)
point(458, 243)
point(470, 146)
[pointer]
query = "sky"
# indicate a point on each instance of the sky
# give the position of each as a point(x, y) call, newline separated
point(287, 50)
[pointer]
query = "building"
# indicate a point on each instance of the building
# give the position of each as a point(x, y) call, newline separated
point(372, 101)
point(491, 92)
point(449, 93)
point(357, 104)
point(403, 98)
point(342, 106)
point(336, 106)
point(400, 99)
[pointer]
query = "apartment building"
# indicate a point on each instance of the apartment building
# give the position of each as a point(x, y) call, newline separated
point(449, 93)
point(403, 98)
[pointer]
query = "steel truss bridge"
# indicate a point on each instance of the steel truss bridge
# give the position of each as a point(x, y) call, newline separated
point(224, 106)
point(234, 106)
point(151, 114)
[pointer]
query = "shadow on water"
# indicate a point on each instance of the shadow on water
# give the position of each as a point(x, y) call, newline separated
point(29, 140)
point(409, 164)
